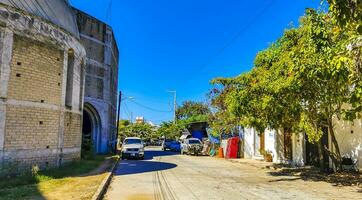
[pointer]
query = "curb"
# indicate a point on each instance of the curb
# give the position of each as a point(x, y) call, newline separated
point(105, 183)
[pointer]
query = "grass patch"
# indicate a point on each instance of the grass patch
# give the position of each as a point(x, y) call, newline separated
point(73, 181)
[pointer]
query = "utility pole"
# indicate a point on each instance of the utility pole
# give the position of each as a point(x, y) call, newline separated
point(174, 104)
point(118, 113)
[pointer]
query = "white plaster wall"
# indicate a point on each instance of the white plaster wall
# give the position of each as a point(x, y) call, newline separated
point(298, 145)
point(270, 143)
point(350, 143)
point(223, 145)
point(249, 134)
point(279, 147)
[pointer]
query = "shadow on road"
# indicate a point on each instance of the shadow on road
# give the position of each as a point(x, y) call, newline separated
point(128, 167)
point(150, 154)
point(314, 174)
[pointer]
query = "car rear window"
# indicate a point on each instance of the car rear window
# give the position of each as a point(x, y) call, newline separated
point(132, 141)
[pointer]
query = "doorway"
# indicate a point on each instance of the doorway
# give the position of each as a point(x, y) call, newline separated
point(91, 131)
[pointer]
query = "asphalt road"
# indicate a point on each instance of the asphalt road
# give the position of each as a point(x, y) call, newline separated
point(167, 175)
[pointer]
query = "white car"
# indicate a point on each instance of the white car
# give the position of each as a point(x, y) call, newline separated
point(191, 146)
point(133, 147)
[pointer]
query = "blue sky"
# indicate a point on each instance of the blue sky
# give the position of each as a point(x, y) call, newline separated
point(182, 44)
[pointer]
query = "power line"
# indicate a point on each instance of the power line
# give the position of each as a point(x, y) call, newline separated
point(235, 37)
point(125, 111)
point(149, 108)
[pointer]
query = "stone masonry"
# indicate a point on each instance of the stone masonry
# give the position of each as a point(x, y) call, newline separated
point(41, 91)
point(101, 79)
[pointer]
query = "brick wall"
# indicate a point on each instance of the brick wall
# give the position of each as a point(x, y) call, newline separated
point(72, 128)
point(38, 128)
point(36, 72)
point(31, 128)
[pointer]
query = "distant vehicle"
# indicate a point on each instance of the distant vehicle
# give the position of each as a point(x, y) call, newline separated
point(175, 146)
point(166, 144)
point(191, 146)
point(133, 147)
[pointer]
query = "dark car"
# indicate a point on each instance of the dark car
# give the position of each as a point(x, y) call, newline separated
point(166, 144)
point(175, 146)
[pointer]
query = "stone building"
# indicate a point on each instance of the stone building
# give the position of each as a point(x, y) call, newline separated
point(43, 65)
point(100, 101)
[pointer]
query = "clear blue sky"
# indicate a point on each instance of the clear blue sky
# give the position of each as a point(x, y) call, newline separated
point(182, 44)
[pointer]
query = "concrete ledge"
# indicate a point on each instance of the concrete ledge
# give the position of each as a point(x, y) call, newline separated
point(105, 183)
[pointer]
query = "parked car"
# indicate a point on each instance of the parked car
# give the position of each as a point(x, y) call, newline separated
point(166, 144)
point(133, 147)
point(175, 146)
point(191, 146)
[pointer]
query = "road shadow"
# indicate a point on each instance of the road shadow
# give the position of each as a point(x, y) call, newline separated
point(314, 174)
point(150, 154)
point(128, 167)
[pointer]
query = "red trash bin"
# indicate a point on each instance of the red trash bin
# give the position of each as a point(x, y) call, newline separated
point(232, 148)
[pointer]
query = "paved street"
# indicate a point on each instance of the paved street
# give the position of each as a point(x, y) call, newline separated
point(165, 175)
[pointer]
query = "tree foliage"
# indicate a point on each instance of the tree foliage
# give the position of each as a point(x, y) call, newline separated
point(170, 130)
point(348, 13)
point(303, 82)
point(142, 130)
point(191, 109)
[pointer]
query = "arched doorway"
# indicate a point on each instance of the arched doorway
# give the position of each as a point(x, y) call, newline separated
point(91, 136)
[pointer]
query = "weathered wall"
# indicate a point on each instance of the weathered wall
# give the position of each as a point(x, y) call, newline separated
point(271, 143)
point(56, 11)
point(30, 70)
point(101, 77)
point(36, 127)
point(349, 137)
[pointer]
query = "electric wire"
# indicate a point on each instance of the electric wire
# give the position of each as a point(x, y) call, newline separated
point(234, 38)
point(149, 108)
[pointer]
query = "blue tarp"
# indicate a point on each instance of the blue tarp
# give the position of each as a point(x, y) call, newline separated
point(197, 134)
point(214, 140)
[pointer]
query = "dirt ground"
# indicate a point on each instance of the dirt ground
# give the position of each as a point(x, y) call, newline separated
point(165, 175)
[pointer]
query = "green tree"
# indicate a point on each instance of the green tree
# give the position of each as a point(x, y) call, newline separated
point(170, 130)
point(221, 121)
point(142, 130)
point(302, 81)
point(191, 109)
point(348, 13)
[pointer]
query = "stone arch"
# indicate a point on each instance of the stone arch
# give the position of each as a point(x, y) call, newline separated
point(92, 126)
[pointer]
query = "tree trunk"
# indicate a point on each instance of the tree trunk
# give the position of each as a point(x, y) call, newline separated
point(335, 156)
point(320, 156)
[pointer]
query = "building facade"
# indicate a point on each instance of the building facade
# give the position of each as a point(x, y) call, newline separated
point(58, 76)
point(41, 86)
point(100, 100)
